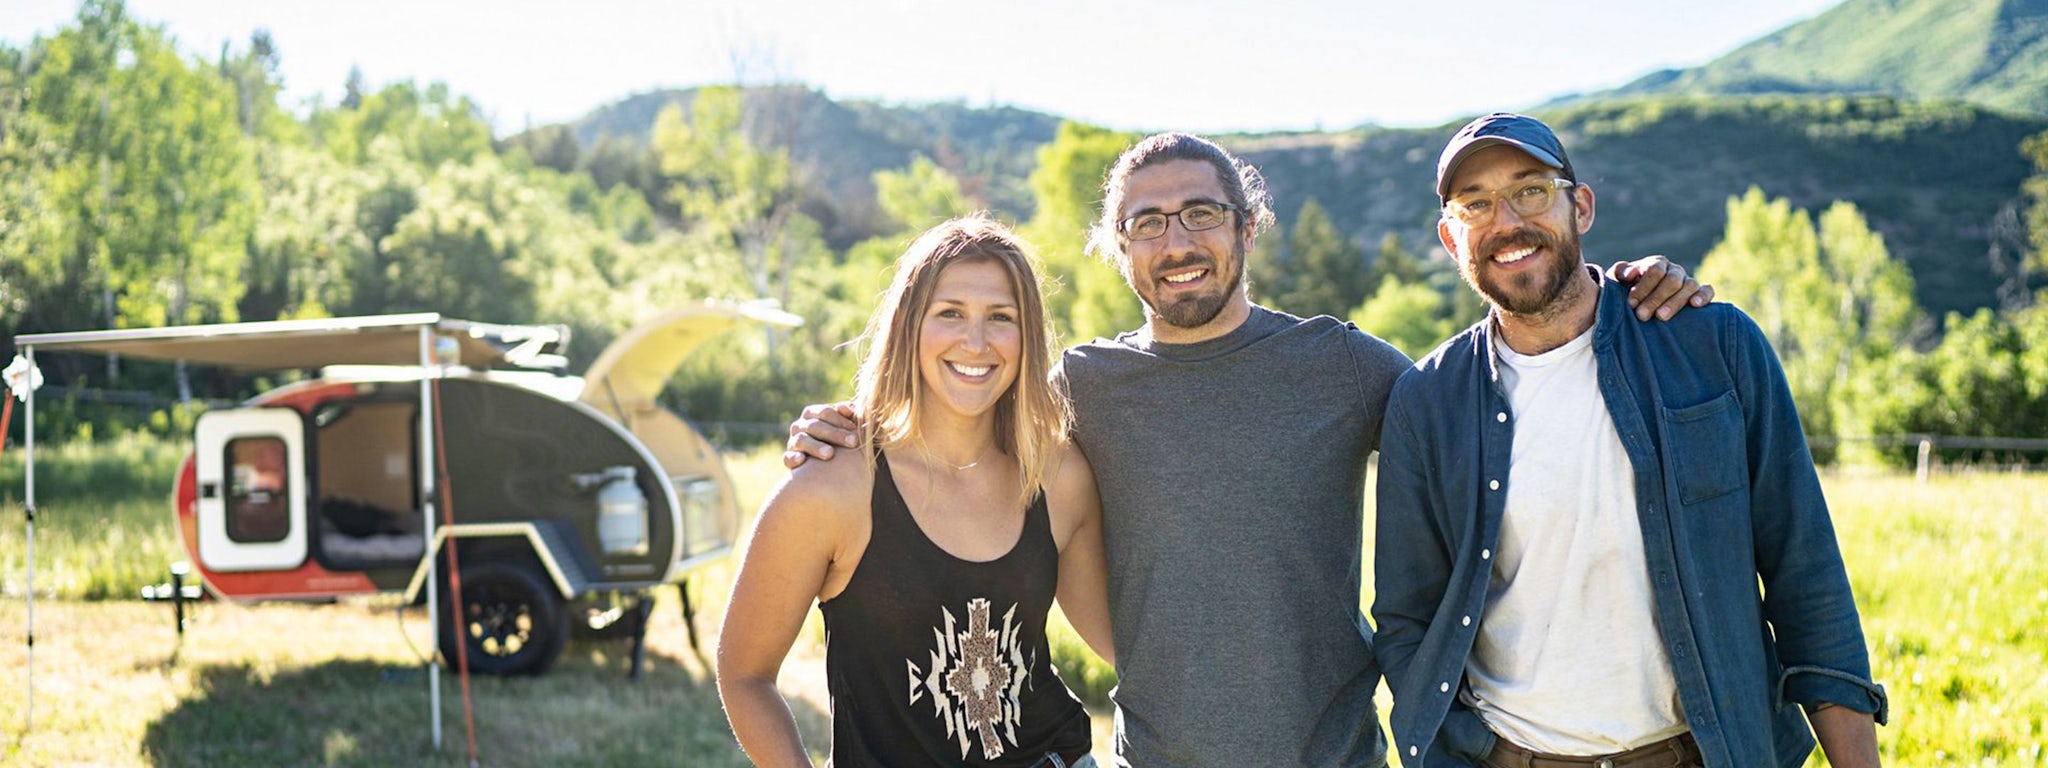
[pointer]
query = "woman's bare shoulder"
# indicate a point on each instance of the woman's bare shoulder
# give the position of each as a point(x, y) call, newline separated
point(826, 488)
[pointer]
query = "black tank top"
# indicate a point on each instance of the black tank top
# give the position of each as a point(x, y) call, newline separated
point(932, 660)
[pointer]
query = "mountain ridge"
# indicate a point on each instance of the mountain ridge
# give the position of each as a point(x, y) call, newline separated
point(1989, 52)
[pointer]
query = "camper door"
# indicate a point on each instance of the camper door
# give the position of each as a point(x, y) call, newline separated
point(251, 465)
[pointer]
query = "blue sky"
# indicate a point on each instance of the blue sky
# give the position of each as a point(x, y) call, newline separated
point(1200, 65)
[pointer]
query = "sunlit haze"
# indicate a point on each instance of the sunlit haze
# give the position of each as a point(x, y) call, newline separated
point(1205, 65)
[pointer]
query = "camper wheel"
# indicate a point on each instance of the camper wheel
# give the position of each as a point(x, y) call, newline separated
point(512, 622)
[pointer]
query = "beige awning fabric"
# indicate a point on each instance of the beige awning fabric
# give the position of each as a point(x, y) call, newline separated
point(290, 344)
point(632, 371)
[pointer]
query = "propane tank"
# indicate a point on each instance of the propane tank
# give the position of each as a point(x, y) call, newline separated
point(621, 513)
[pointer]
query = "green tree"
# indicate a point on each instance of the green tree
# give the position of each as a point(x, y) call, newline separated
point(387, 189)
point(1768, 262)
point(1987, 377)
point(353, 89)
point(307, 251)
point(920, 196)
point(1086, 297)
point(429, 127)
point(469, 248)
point(2036, 188)
point(1873, 315)
point(549, 146)
point(740, 200)
point(612, 161)
point(1273, 279)
point(256, 80)
point(1833, 301)
point(1394, 260)
point(1411, 316)
point(31, 277)
point(1873, 305)
point(1319, 273)
point(599, 261)
point(142, 191)
point(292, 266)
point(742, 196)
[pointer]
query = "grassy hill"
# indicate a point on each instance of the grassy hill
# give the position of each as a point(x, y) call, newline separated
point(1990, 52)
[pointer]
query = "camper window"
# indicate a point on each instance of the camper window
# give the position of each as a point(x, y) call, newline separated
point(258, 508)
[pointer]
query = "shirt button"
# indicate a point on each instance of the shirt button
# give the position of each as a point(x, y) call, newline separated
point(1411, 751)
point(1501, 417)
point(1486, 554)
point(1468, 621)
point(1443, 687)
point(1493, 485)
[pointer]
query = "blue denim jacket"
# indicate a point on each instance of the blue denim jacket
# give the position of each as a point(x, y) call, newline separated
point(1727, 495)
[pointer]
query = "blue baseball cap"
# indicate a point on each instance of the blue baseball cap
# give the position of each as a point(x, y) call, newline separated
point(1519, 131)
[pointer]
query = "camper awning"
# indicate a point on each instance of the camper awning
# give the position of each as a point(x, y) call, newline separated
point(289, 344)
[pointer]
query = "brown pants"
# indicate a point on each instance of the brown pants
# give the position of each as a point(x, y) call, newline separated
point(1676, 752)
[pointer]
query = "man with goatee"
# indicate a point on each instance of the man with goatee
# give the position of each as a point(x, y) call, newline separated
point(1576, 511)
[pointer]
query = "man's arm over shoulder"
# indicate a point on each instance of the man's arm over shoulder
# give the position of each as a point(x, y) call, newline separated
point(1807, 598)
point(1076, 511)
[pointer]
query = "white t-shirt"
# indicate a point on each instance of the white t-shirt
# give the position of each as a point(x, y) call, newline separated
point(1568, 660)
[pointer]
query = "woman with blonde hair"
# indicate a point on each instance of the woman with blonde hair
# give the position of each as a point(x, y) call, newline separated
point(934, 561)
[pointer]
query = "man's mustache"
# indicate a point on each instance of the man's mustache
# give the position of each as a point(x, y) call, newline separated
point(1519, 238)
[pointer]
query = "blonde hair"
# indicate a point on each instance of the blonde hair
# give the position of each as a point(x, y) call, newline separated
point(1031, 418)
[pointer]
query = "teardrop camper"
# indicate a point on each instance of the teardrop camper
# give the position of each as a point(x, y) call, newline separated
point(564, 499)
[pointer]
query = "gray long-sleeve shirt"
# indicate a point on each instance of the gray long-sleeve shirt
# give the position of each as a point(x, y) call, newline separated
point(1232, 476)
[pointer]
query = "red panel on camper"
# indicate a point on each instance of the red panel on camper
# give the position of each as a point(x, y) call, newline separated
point(308, 581)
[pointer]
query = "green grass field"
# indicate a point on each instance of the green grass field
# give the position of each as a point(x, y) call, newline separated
point(103, 517)
point(1952, 580)
point(1952, 577)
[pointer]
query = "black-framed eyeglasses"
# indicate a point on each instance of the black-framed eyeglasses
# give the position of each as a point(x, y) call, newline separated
point(1527, 198)
point(1194, 218)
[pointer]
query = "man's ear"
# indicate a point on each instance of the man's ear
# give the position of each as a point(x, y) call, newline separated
point(1582, 207)
point(1443, 234)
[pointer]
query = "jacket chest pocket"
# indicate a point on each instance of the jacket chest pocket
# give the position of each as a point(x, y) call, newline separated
point(1709, 448)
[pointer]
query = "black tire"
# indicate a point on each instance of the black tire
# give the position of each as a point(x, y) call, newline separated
point(513, 621)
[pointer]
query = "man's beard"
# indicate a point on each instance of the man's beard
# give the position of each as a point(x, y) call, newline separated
point(1530, 292)
point(1196, 310)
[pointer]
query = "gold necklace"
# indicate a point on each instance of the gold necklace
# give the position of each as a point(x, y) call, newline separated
point(957, 467)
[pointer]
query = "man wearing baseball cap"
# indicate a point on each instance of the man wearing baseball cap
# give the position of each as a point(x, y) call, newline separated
point(1576, 511)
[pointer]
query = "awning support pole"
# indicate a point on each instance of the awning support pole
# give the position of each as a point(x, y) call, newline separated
point(427, 498)
point(28, 506)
